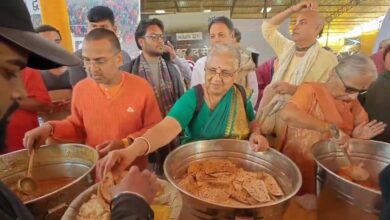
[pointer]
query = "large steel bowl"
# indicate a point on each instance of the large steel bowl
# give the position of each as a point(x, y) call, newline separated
point(343, 199)
point(283, 169)
point(52, 161)
point(170, 197)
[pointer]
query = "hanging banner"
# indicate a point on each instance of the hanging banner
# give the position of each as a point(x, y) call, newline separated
point(189, 36)
point(33, 7)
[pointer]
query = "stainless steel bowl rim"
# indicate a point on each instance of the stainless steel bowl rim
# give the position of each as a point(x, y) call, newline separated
point(343, 179)
point(335, 174)
point(285, 198)
point(67, 185)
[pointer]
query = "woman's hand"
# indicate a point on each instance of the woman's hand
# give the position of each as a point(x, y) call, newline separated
point(258, 142)
point(368, 130)
point(116, 161)
point(37, 136)
point(311, 5)
point(143, 183)
point(108, 146)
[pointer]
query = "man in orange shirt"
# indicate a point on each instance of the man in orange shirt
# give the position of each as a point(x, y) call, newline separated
point(110, 108)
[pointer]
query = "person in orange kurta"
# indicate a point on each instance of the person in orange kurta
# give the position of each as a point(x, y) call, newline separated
point(317, 108)
point(110, 108)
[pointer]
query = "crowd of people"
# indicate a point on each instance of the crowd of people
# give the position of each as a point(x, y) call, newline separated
point(126, 22)
point(149, 104)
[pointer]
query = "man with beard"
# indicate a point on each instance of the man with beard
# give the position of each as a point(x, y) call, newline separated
point(20, 47)
point(163, 75)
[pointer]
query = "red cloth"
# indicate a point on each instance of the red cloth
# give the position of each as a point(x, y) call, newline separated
point(378, 60)
point(264, 76)
point(22, 121)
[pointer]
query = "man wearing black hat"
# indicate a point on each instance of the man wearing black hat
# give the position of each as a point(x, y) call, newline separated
point(21, 47)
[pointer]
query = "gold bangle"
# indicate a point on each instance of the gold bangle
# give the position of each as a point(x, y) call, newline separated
point(125, 142)
point(130, 140)
point(147, 142)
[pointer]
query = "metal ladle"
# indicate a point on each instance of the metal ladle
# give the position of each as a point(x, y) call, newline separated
point(28, 185)
point(356, 172)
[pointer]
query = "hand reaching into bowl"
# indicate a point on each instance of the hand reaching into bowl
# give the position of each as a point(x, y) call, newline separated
point(258, 142)
point(108, 146)
point(116, 161)
point(37, 136)
point(141, 183)
point(339, 137)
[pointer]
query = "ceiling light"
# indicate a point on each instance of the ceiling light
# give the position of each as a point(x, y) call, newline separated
point(160, 11)
point(207, 10)
point(268, 9)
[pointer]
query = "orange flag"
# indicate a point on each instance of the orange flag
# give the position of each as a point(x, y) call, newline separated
point(55, 13)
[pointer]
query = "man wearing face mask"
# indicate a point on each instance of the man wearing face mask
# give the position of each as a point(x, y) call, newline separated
point(20, 47)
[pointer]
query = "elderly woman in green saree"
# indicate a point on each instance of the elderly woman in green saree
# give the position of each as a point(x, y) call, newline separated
point(217, 109)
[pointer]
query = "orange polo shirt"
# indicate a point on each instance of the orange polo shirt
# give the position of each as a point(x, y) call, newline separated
point(96, 117)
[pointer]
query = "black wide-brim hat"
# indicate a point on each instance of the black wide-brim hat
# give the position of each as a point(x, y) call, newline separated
point(16, 26)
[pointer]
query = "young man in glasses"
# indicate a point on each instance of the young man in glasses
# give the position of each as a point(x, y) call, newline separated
point(163, 75)
point(98, 17)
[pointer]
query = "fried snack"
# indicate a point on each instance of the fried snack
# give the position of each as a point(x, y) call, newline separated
point(97, 207)
point(221, 181)
point(94, 209)
point(161, 212)
point(271, 184)
point(104, 187)
point(257, 189)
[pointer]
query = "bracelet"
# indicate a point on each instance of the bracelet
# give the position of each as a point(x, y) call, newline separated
point(125, 142)
point(147, 142)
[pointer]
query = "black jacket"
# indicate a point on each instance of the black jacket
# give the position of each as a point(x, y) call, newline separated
point(11, 207)
point(140, 210)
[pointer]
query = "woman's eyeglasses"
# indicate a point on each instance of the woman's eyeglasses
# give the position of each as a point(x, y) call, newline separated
point(350, 89)
point(223, 73)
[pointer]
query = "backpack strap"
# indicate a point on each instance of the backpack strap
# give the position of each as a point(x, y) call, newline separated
point(243, 93)
point(199, 97)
